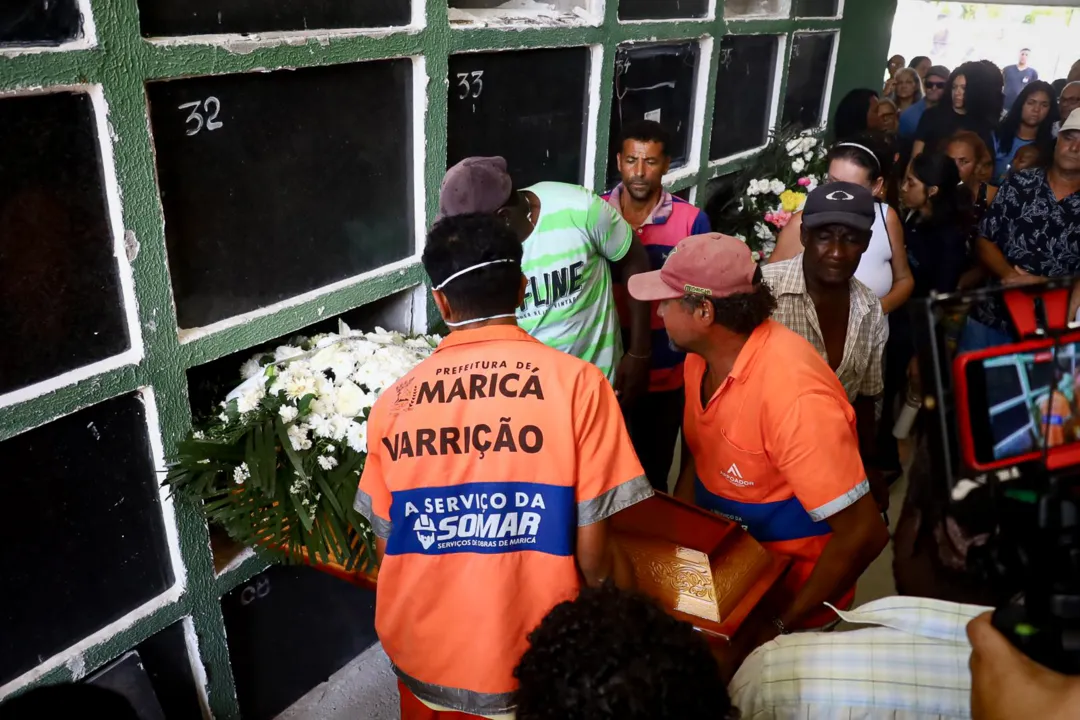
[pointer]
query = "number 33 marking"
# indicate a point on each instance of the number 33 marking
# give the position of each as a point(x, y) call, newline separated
point(212, 106)
point(474, 88)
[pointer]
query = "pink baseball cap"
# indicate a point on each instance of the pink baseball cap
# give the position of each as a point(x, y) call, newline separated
point(711, 265)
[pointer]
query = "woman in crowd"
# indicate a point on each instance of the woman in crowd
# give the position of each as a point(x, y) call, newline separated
point(975, 165)
point(1030, 121)
point(921, 64)
point(969, 104)
point(856, 113)
point(888, 116)
point(936, 227)
point(907, 89)
point(940, 216)
point(884, 267)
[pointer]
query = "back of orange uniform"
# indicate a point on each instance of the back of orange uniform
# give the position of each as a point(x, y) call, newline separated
point(482, 464)
point(1055, 412)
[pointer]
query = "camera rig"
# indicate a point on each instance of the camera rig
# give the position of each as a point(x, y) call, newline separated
point(1024, 497)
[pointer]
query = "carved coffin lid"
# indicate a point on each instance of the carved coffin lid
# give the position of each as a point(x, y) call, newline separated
point(701, 567)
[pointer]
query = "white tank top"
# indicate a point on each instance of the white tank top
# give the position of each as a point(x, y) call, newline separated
point(875, 268)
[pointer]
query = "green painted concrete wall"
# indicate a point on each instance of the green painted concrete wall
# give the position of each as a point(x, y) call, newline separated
point(122, 62)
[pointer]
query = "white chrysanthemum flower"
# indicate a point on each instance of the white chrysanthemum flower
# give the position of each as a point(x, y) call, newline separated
point(356, 436)
point(762, 231)
point(241, 473)
point(251, 368)
point(199, 435)
point(323, 385)
point(777, 187)
point(297, 385)
point(285, 352)
point(755, 256)
point(249, 400)
point(813, 185)
point(330, 448)
point(327, 463)
point(322, 406)
point(808, 156)
point(320, 425)
point(797, 166)
point(223, 417)
point(767, 248)
point(298, 437)
point(350, 400)
point(288, 413)
point(339, 425)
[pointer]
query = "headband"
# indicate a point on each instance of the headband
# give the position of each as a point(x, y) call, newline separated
point(469, 269)
point(865, 149)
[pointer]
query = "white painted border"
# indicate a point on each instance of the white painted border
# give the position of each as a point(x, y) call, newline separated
point(826, 100)
point(785, 13)
point(115, 218)
point(774, 110)
point(596, 70)
point(87, 40)
point(710, 15)
point(242, 44)
point(187, 335)
point(420, 109)
point(198, 670)
point(702, 75)
point(74, 655)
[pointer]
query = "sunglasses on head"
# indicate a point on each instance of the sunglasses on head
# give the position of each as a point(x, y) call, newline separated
point(936, 85)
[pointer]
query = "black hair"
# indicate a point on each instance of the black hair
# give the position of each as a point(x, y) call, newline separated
point(68, 700)
point(646, 131)
point(878, 162)
point(984, 97)
point(851, 113)
point(918, 59)
point(741, 313)
point(1044, 138)
point(952, 203)
point(615, 655)
point(1059, 86)
point(461, 241)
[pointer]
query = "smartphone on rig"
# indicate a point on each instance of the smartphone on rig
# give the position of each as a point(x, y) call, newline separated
point(1005, 441)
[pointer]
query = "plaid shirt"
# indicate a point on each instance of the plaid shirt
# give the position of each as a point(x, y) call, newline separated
point(912, 666)
point(860, 370)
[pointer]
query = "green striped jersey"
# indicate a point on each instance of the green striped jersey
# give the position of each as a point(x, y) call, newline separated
point(568, 300)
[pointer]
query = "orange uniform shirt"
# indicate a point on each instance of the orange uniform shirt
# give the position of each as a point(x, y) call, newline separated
point(482, 463)
point(1055, 412)
point(776, 448)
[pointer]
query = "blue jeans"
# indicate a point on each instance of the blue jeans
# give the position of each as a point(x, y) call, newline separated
point(977, 336)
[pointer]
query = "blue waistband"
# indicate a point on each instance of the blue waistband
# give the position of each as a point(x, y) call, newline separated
point(767, 522)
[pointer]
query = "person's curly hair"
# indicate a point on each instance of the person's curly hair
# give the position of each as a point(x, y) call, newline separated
point(616, 654)
point(743, 312)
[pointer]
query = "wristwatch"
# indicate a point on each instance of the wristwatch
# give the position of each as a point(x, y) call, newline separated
point(780, 626)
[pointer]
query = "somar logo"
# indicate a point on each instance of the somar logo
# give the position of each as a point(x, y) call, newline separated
point(735, 477)
point(425, 531)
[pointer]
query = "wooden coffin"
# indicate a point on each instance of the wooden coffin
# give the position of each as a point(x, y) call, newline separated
point(700, 567)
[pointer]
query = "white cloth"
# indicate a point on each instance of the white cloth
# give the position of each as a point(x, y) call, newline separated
point(912, 666)
point(875, 268)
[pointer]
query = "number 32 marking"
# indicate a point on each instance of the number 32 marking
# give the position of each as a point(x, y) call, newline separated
point(473, 87)
point(212, 106)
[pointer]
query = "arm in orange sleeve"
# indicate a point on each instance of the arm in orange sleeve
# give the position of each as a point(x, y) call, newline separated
point(816, 448)
point(609, 477)
point(373, 496)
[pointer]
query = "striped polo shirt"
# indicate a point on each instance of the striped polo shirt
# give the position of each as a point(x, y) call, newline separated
point(672, 220)
point(568, 303)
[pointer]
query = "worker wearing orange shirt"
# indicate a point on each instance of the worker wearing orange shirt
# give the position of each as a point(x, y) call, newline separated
point(770, 433)
point(1055, 412)
point(492, 471)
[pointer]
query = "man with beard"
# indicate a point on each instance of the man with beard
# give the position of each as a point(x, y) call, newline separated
point(660, 220)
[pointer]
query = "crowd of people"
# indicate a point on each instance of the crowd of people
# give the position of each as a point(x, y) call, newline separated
point(590, 332)
point(619, 322)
